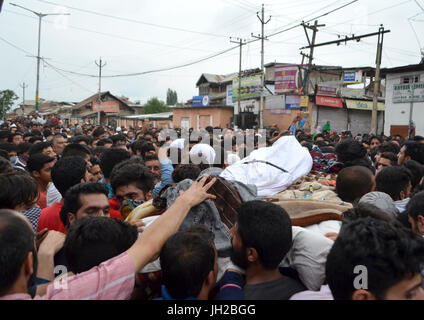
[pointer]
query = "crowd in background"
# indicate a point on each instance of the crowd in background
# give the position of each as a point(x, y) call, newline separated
point(67, 192)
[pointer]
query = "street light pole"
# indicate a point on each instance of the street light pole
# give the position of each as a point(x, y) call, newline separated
point(40, 16)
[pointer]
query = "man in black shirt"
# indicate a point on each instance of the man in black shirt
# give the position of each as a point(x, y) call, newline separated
point(261, 238)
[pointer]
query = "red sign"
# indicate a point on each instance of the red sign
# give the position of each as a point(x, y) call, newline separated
point(106, 106)
point(329, 102)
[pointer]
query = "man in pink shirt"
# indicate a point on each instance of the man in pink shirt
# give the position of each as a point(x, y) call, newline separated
point(111, 280)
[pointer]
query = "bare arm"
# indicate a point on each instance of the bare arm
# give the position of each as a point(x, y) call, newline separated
point(149, 244)
point(52, 243)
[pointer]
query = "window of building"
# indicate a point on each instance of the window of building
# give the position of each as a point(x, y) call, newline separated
point(410, 79)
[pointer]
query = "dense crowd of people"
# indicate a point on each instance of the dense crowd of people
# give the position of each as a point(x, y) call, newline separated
point(71, 197)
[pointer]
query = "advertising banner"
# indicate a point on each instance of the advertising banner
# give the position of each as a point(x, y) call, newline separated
point(329, 102)
point(363, 105)
point(201, 101)
point(403, 92)
point(292, 102)
point(275, 102)
point(106, 106)
point(229, 99)
point(250, 87)
point(326, 91)
point(352, 76)
point(304, 101)
point(286, 78)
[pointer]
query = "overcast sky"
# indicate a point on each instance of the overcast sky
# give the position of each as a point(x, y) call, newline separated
point(139, 35)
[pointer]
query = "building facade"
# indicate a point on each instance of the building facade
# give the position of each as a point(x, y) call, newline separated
point(404, 100)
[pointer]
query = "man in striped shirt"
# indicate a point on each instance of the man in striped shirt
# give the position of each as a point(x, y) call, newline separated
point(111, 280)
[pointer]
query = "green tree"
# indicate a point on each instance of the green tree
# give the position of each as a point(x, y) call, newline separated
point(154, 105)
point(171, 97)
point(7, 98)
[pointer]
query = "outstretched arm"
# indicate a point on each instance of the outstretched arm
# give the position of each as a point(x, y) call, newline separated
point(149, 244)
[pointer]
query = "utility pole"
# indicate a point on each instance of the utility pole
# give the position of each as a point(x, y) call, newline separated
point(241, 42)
point(23, 86)
point(380, 34)
point(314, 28)
point(40, 16)
point(377, 80)
point(411, 106)
point(99, 101)
point(262, 37)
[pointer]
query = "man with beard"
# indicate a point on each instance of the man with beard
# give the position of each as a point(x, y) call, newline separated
point(189, 263)
point(261, 238)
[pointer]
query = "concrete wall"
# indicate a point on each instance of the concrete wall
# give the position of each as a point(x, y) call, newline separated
point(220, 116)
point(397, 114)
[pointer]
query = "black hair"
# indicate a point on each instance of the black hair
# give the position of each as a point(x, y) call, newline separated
point(82, 138)
point(93, 240)
point(388, 147)
point(376, 137)
point(110, 158)
point(130, 173)
point(136, 146)
point(267, 228)
point(319, 135)
point(72, 201)
point(118, 137)
point(5, 165)
point(98, 132)
point(320, 143)
point(9, 147)
point(185, 171)
point(98, 151)
point(133, 160)
point(20, 188)
point(186, 260)
point(4, 134)
point(418, 138)
point(104, 141)
point(16, 241)
point(417, 172)
point(146, 147)
point(35, 138)
point(4, 154)
point(47, 133)
point(12, 135)
point(415, 150)
point(94, 161)
point(415, 206)
point(68, 172)
point(349, 150)
point(354, 182)
point(23, 147)
point(388, 251)
point(37, 161)
point(76, 150)
point(150, 157)
point(36, 132)
point(390, 156)
point(39, 147)
point(393, 180)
